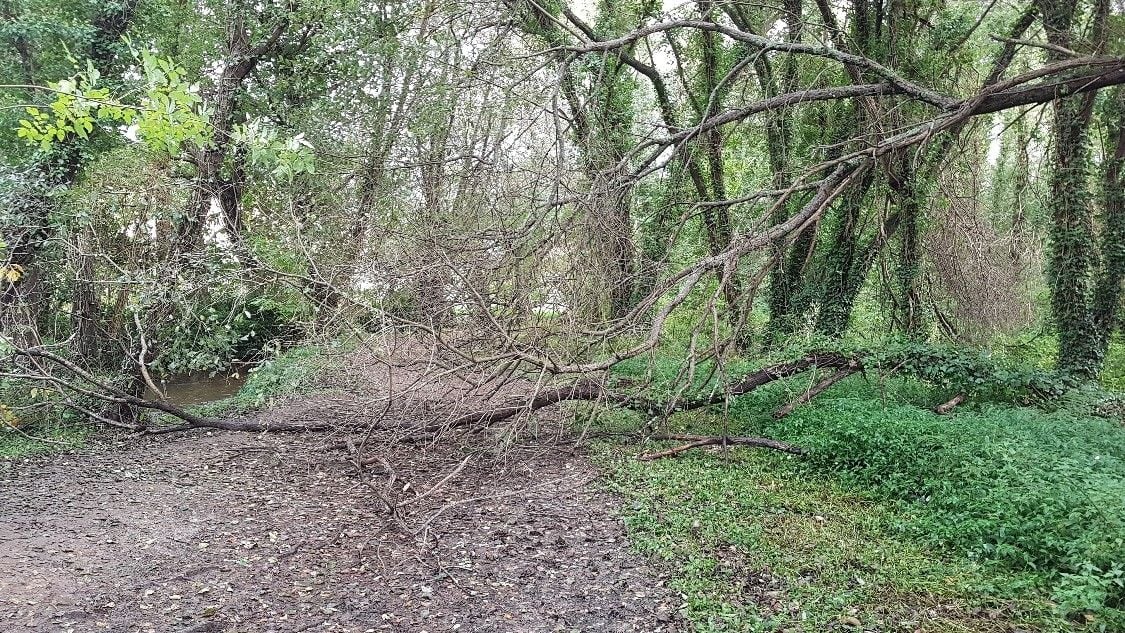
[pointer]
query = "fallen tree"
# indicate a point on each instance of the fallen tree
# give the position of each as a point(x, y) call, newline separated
point(964, 374)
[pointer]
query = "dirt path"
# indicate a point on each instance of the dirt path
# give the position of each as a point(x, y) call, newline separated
point(248, 533)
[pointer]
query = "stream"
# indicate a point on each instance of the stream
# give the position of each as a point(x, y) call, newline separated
point(193, 389)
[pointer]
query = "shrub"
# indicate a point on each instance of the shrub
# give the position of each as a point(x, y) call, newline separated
point(230, 328)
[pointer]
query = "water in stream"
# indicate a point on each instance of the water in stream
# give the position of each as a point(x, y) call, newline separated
point(193, 389)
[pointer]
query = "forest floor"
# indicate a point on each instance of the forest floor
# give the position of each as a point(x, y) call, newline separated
point(254, 533)
point(515, 529)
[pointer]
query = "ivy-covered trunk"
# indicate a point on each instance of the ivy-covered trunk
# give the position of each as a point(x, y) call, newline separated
point(1107, 294)
point(1072, 254)
point(1072, 249)
point(847, 261)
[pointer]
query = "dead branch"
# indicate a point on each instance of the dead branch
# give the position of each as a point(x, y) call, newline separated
point(594, 391)
point(585, 390)
point(698, 441)
point(453, 473)
point(842, 373)
point(142, 358)
point(950, 404)
point(905, 86)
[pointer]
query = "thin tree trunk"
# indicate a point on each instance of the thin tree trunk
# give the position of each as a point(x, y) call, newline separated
point(85, 314)
point(1107, 294)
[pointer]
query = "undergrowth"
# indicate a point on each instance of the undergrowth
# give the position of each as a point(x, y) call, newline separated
point(31, 423)
point(43, 438)
point(991, 507)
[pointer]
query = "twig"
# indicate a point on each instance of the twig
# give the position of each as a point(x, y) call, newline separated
point(1044, 45)
point(436, 486)
point(142, 360)
point(851, 368)
point(698, 441)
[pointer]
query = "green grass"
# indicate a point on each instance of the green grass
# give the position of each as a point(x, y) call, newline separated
point(990, 518)
point(756, 546)
point(1038, 349)
point(43, 438)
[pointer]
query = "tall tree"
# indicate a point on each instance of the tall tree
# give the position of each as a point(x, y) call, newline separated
point(1074, 258)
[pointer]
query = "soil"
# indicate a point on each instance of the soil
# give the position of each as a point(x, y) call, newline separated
point(238, 532)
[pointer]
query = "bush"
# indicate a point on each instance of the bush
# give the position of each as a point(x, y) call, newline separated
point(208, 338)
point(28, 417)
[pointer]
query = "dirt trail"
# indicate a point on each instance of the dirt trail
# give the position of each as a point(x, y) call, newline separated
point(250, 533)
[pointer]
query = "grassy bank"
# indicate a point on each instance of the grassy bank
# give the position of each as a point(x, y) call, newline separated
point(990, 518)
point(294, 372)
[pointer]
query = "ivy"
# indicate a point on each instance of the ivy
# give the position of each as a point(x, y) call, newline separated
point(971, 372)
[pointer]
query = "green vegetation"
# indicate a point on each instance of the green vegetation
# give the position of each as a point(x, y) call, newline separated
point(293, 372)
point(897, 517)
point(551, 193)
point(44, 438)
point(32, 423)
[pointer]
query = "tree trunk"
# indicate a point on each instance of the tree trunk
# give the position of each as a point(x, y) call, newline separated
point(1107, 294)
point(1073, 257)
point(911, 202)
point(85, 313)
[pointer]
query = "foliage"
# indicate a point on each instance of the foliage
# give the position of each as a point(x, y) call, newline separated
point(167, 114)
point(31, 423)
point(755, 544)
point(45, 438)
point(997, 485)
point(975, 373)
point(231, 326)
point(283, 158)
